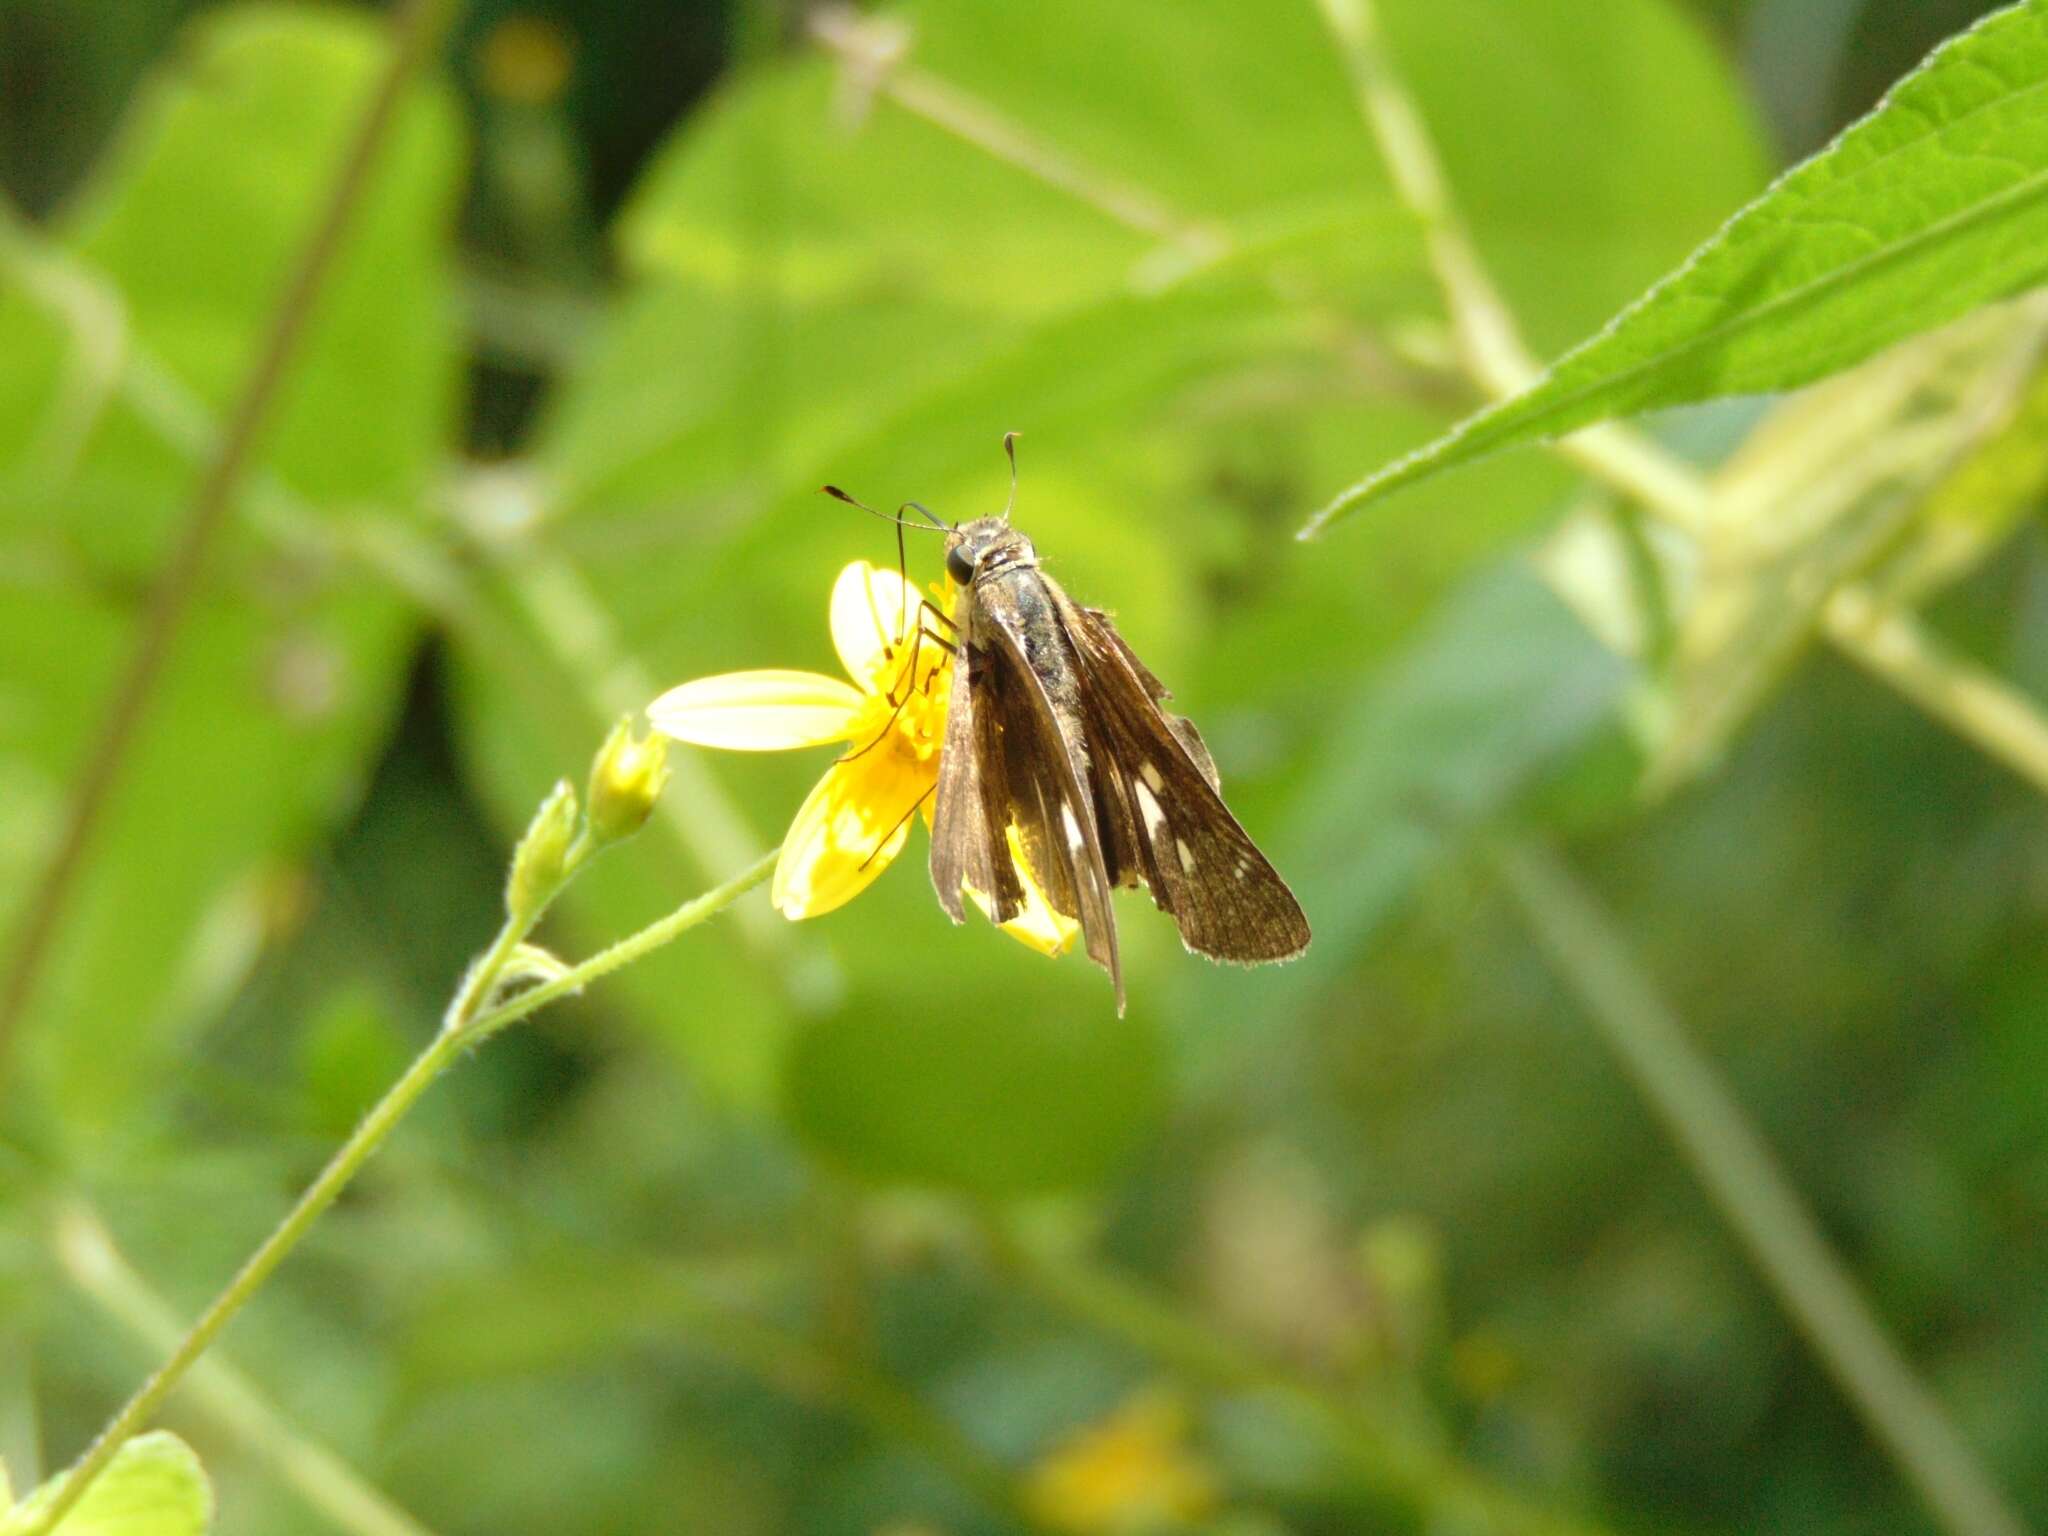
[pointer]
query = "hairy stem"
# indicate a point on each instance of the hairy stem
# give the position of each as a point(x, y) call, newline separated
point(327, 1483)
point(414, 28)
point(462, 1032)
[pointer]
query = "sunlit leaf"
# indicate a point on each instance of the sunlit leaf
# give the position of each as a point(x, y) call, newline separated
point(1935, 203)
point(153, 1487)
point(1502, 685)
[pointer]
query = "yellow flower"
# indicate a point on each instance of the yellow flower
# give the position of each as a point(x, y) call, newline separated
point(892, 717)
point(1131, 1472)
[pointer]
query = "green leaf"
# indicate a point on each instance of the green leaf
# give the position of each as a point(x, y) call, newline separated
point(1935, 203)
point(1500, 686)
point(153, 1487)
point(124, 334)
point(994, 1101)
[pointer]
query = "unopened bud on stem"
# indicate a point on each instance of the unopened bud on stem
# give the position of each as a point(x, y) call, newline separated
point(625, 781)
point(542, 856)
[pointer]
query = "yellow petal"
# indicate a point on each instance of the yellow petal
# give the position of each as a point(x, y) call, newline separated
point(1038, 925)
point(846, 832)
point(870, 626)
point(766, 711)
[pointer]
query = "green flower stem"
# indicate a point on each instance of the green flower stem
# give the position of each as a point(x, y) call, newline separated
point(1394, 1463)
point(448, 1043)
point(327, 1483)
point(484, 972)
point(1754, 1194)
point(624, 953)
point(334, 1178)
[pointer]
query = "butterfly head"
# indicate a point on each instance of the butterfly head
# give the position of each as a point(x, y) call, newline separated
point(983, 546)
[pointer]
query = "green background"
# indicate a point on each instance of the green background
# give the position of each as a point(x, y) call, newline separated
point(591, 349)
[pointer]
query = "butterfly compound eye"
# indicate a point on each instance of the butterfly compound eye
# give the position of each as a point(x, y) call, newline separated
point(958, 566)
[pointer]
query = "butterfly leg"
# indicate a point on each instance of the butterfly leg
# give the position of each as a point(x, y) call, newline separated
point(907, 681)
point(891, 642)
point(901, 822)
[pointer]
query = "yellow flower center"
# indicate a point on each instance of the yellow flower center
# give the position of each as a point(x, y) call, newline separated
point(908, 709)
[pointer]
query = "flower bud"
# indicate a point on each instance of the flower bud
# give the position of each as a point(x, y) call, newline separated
point(543, 854)
point(625, 781)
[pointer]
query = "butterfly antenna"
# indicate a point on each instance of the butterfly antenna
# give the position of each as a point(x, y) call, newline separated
point(900, 521)
point(927, 514)
point(1010, 448)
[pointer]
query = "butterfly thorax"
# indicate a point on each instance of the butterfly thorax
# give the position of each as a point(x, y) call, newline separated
point(986, 547)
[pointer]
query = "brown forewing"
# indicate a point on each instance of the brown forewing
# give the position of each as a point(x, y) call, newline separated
point(1159, 795)
point(971, 811)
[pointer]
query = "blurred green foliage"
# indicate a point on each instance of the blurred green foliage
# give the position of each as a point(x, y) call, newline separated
point(859, 1225)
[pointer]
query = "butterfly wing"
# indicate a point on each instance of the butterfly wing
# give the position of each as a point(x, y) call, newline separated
point(1036, 688)
point(1164, 816)
point(971, 812)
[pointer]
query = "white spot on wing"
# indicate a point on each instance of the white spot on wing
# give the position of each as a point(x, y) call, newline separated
point(1148, 806)
point(1187, 856)
point(1152, 777)
point(1074, 839)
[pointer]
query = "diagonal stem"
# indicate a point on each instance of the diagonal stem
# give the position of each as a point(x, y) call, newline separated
point(873, 51)
point(462, 1031)
point(327, 1483)
point(565, 615)
point(414, 29)
point(1754, 1194)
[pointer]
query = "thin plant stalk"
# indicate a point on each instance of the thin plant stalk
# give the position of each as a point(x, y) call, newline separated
point(472, 1019)
point(415, 26)
point(1753, 1193)
point(328, 1484)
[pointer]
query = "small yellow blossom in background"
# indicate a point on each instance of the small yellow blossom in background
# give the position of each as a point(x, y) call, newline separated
point(1130, 1473)
point(892, 718)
